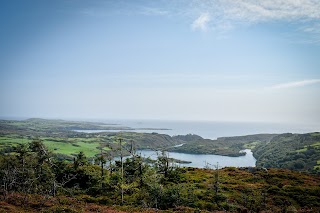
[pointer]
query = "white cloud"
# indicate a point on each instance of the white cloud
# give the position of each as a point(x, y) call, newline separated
point(295, 84)
point(263, 10)
point(225, 15)
point(201, 22)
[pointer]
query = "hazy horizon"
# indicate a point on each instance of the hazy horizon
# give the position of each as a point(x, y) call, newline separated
point(225, 61)
point(117, 121)
point(205, 129)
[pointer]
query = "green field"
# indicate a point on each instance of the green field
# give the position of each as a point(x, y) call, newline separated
point(89, 149)
point(70, 146)
point(12, 141)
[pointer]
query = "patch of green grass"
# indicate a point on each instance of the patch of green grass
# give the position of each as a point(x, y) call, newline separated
point(251, 145)
point(117, 142)
point(83, 139)
point(316, 145)
point(305, 148)
point(67, 146)
point(302, 150)
point(13, 140)
point(89, 149)
point(318, 165)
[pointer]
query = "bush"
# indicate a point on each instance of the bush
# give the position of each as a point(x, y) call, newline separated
point(61, 209)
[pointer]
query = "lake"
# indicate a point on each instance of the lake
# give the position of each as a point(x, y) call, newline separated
point(200, 160)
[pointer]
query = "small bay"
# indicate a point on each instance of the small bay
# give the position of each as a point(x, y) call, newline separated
point(201, 160)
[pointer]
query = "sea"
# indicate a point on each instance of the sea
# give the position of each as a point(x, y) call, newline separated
point(209, 129)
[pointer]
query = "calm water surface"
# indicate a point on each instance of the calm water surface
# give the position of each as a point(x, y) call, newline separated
point(207, 129)
point(200, 161)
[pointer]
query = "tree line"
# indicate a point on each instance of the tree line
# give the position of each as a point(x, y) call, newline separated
point(133, 181)
point(32, 169)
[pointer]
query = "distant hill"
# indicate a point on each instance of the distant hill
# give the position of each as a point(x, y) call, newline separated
point(229, 146)
point(188, 137)
point(293, 151)
point(299, 152)
point(59, 135)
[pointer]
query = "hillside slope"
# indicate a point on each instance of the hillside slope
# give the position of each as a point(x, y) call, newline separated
point(293, 151)
point(238, 190)
point(229, 146)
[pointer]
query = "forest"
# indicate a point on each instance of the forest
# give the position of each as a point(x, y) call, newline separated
point(299, 152)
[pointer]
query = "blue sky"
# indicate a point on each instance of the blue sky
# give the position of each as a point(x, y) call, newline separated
point(218, 60)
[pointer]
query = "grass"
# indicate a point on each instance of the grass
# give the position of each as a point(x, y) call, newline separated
point(13, 141)
point(70, 146)
point(72, 140)
point(4, 139)
point(316, 145)
point(89, 149)
point(305, 148)
point(106, 148)
point(251, 145)
point(83, 139)
point(67, 146)
point(317, 166)
point(302, 150)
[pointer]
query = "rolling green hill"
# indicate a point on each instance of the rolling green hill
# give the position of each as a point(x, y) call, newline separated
point(293, 151)
point(229, 146)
